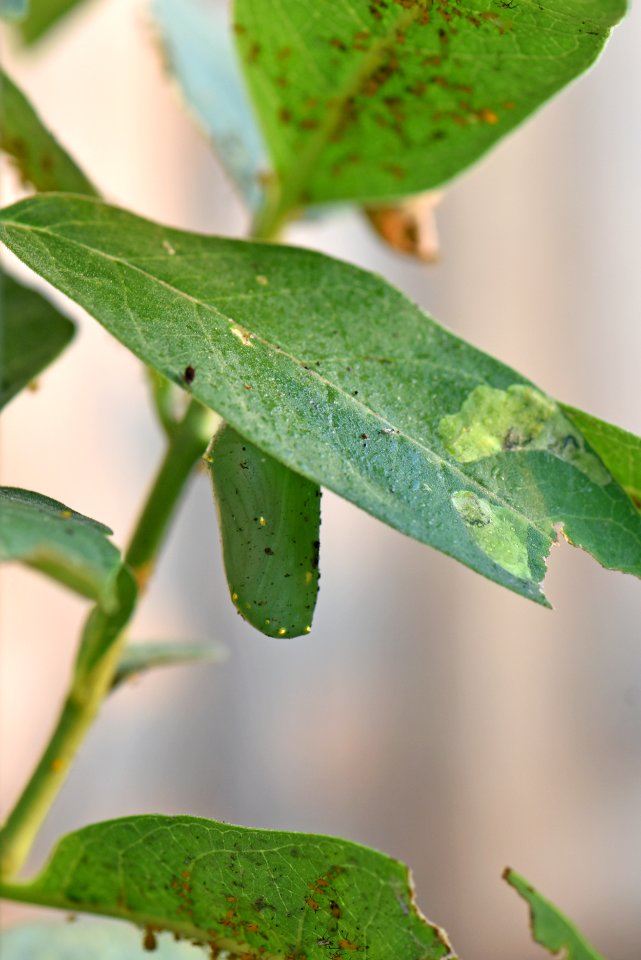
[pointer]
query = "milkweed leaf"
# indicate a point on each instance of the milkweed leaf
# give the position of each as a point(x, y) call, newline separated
point(619, 449)
point(34, 149)
point(251, 892)
point(33, 334)
point(334, 373)
point(369, 100)
point(201, 55)
point(139, 658)
point(549, 927)
point(58, 541)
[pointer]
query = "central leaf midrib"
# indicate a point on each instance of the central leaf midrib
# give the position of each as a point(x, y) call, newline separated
point(427, 451)
point(293, 189)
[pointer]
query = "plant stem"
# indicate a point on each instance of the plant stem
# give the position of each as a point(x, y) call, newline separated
point(102, 641)
point(187, 444)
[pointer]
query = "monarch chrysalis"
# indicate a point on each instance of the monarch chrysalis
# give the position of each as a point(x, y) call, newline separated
point(269, 524)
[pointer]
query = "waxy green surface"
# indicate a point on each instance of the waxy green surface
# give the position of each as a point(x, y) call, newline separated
point(335, 373)
point(619, 450)
point(255, 893)
point(549, 927)
point(39, 157)
point(32, 334)
point(58, 541)
point(270, 530)
point(138, 658)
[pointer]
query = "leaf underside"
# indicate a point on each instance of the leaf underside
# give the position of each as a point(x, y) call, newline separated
point(201, 55)
point(13, 9)
point(549, 927)
point(619, 450)
point(376, 99)
point(36, 152)
point(96, 940)
point(33, 334)
point(254, 893)
point(57, 541)
point(270, 528)
point(336, 374)
point(139, 658)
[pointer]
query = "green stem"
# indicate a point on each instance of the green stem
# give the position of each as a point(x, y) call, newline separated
point(187, 444)
point(102, 641)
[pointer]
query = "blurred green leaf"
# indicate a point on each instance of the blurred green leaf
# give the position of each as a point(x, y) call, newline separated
point(619, 450)
point(138, 658)
point(270, 530)
point(43, 16)
point(251, 892)
point(337, 375)
point(13, 9)
point(371, 100)
point(35, 151)
point(33, 334)
point(549, 927)
point(96, 940)
point(57, 541)
point(200, 52)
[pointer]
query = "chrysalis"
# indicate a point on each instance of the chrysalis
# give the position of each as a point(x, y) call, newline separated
point(270, 526)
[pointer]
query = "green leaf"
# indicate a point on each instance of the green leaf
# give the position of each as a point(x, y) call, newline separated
point(57, 541)
point(337, 375)
point(37, 154)
point(270, 529)
point(98, 940)
point(372, 99)
point(549, 927)
point(43, 15)
point(33, 334)
point(13, 9)
point(201, 54)
point(619, 450)
point(139, 657)
point(251, 892)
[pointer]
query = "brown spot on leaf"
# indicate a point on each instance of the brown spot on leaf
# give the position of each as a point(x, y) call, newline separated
point(396, 170)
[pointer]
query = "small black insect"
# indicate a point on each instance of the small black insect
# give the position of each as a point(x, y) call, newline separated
point(189, 374)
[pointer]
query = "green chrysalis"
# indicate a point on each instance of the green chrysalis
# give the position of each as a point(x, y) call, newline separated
point(270, 526)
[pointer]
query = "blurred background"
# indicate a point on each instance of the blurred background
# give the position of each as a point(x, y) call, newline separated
point(430, 713)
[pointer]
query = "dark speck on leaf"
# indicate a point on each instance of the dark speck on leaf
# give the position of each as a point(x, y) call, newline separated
point(189, 374)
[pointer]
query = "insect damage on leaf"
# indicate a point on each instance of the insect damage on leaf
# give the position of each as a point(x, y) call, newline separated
point(492, 421)
point(335, 374)
point(550, 928)
point(376, 100)
point(500, 534)
point(246, 894)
